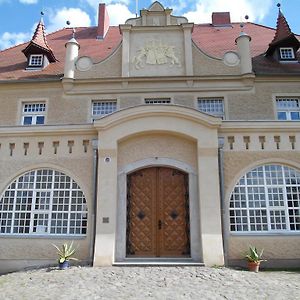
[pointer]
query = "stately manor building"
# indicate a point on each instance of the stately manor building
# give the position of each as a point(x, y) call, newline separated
point(156, 141)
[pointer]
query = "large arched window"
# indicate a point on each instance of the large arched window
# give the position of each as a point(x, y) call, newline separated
point(266, 199)
point(45, 202)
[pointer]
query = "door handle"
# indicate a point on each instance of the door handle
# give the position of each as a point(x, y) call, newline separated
point(160, 223)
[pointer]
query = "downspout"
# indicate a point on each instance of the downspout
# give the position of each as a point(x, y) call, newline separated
point(222, 197)
point(94, 184)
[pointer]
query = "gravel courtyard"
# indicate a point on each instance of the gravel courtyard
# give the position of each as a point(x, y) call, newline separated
point(149, 283)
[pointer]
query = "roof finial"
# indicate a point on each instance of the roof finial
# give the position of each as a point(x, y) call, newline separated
point(73, 29)
point(42, 14)
point(279, 6)
point(242, 25)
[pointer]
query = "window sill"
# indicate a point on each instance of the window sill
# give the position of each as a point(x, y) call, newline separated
point(296, 233)
point(42, 236)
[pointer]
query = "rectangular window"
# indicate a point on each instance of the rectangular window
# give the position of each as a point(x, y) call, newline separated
point(158, 101)
point(288, 109)
point(36, 60)
point(212, 106)
point(287, 53)
point(33, 113)
point(103, 107)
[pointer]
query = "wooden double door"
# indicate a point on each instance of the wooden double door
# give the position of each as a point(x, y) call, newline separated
point(157, 213)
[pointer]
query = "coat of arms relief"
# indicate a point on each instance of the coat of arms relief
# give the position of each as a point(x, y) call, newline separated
point(155, 52)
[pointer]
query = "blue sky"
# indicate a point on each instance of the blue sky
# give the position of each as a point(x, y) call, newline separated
point(18, 18)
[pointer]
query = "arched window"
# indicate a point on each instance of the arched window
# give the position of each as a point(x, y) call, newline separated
point(266, 199)
point(44, 202)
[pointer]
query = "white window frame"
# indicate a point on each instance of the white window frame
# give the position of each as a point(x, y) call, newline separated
point(106, 107)
point(34, 110)
point(63, 213)
point(283, 53)
point(271, 186)
point(34, 58)
point(286, 108)
point(213, 103)
point(158, 101)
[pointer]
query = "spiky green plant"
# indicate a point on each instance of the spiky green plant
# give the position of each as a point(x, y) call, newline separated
point(66, 252)
point(254, 255)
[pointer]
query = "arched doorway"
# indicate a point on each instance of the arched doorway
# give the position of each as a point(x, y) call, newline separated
point(158, 222)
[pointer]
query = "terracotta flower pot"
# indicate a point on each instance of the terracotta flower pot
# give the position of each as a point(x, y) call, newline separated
point(253, 266)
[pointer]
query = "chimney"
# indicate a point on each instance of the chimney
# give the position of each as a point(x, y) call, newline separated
point(103, 21)
point(221, 19)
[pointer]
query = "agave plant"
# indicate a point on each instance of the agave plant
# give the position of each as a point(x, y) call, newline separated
point(254, 255)
point(66, 252)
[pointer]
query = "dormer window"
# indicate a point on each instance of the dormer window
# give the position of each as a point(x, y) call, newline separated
point(36, 60)
point(287, 53)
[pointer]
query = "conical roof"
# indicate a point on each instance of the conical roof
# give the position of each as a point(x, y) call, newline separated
point(283, 35)
point(39, 44)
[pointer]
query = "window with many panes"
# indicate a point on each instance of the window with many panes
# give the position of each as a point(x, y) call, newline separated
point(288, 108)
point(157, 101)
point(212, 106)
point(266, 199)
point(103, 107)
point(287, 53)
point(45, 202)
point(36, 60)
point(33, 113)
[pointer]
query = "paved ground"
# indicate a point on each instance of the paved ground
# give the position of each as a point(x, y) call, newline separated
point(161, 283)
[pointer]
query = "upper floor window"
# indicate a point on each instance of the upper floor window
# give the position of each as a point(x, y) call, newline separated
point(266, 199)
point(158, 101)
point(103, 107)
point(33, 113)
point(288, 108)
point(44, 202)
point(212, 106)
point(287, 53)
point(36, 60)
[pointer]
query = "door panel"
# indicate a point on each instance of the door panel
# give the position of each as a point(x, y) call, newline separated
point(173, 210)
point(141, 211)
point(157, 213)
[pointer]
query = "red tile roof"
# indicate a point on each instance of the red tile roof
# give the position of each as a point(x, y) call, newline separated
point(282, 29)
point(39, 41)
point(212, 40)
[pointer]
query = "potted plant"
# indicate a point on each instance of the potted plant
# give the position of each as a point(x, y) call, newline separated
point(254, 259)
point(65, 254)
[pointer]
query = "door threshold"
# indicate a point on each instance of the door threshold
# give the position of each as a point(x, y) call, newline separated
point(158, 261)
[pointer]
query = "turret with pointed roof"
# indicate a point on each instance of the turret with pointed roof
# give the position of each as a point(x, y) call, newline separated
point(283, 36)
point(38, 43)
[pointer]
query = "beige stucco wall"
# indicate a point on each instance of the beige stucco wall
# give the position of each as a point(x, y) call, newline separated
point(275, 247)
point(260, 104)
point(109, 67)
point(57, 104)
point(78, 165)
point(157, 145)
point(205, 65)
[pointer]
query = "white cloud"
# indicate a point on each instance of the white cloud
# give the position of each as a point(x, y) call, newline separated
point(28, 1)
point(95, 3)
point(255, 9)
point(77, 17)
point(9, 39)
point(118, 13)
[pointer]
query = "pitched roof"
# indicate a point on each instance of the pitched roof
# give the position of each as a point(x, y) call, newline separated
point(214, 41)
point(39, 41)
point(283, 35)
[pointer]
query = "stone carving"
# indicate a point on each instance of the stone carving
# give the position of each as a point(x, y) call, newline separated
point(155, 53)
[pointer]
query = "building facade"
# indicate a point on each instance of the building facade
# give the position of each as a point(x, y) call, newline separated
point(156, 141)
